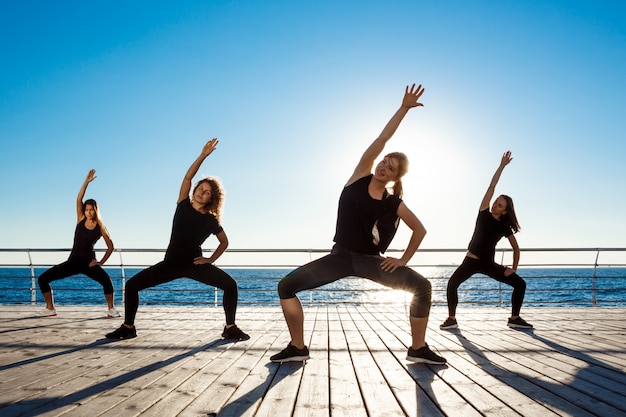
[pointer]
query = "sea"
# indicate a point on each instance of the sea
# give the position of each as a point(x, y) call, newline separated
point(546, 287)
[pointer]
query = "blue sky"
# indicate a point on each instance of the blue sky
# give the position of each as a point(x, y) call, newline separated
point(295, 91)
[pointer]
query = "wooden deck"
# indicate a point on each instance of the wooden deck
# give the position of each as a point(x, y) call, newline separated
point(572, 364)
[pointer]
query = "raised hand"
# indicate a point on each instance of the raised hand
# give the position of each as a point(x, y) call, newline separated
point(209, 147)
point(412, 96)
point(91, 175)
point(506, 159)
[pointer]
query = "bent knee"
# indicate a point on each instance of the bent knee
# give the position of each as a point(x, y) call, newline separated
point(285, 290)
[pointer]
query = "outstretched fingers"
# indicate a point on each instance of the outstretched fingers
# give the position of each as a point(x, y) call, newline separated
point(412, 96)
point(210, 146)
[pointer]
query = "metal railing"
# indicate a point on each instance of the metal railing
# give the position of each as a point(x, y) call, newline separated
point(563, 276)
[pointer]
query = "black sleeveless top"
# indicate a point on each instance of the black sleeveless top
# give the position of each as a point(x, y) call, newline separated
point(84, 240)
point(486, 235)
point(190, 228)
point(366, 225)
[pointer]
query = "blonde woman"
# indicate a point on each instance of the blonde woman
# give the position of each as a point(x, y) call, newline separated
point(367, 219)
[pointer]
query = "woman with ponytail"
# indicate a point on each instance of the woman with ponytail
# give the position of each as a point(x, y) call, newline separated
point(367, 220)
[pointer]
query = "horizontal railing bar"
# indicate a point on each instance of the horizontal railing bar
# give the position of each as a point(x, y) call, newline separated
point(426, 250)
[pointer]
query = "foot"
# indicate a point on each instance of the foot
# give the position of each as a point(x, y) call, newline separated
point(519, 323)
point(113, 312)
point(450, 323)
point(234, 333)
point(291, 354)
point(46, 312)
point(424, 355)
point(122, 333)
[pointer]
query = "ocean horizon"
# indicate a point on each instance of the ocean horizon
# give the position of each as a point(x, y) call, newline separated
point(546, 287)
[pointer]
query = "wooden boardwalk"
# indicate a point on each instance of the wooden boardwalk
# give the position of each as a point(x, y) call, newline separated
point(572, 364)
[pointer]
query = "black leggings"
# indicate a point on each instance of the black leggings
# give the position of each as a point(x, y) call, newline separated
point(343, 263)
point(73, 267)
point(471, 266)
point(164, 272)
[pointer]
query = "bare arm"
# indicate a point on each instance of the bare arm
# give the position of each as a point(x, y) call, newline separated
point(419, 231)
point(185, 187)
point(110, 247)
point(516, 256)
point(365, 165)
point(506, 159)
point(221, 248)
point(91, 175)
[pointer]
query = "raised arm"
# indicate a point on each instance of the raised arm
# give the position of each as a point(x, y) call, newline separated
point(506, 159)
point(365, 165)
point(185, 187)
point(80, 214)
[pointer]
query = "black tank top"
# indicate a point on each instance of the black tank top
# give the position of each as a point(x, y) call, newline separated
point(84, 240)
point(366, 225)
point(486, 235)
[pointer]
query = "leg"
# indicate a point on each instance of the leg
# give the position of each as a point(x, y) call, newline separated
point(405, 279)
point(496, 272)
point(98, 274)
point(211, 275)
point(312, 275)
point(63, 270)
point(294, 316)
point(150, 277)
point(418, 331)
point(462, 274)
point(110, 301)
point(47, 296)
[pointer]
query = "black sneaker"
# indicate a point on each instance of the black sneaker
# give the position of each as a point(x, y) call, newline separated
point(234, 333)
point(519, 323)
point(424, 355)
point(291, 354)
point(450, 323)
point(122, 333)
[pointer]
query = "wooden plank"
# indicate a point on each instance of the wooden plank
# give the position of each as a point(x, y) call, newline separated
point(314, 394)
point(345, 397)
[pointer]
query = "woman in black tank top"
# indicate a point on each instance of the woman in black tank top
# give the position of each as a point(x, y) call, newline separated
point(491, 226)
point(195, 219)
point(82, 259)
point(367, 219)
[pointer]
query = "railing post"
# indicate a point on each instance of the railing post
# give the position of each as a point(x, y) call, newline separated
point(500, 302)
point(310, 252)
point(594, 301)
point(33, 288)
point(123, 277)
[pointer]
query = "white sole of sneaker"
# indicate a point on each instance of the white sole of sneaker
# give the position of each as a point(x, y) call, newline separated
point(454, 326)
point(422, 360)
point(292, 359)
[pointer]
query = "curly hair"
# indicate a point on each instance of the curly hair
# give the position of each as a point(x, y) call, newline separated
point(217, 197)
